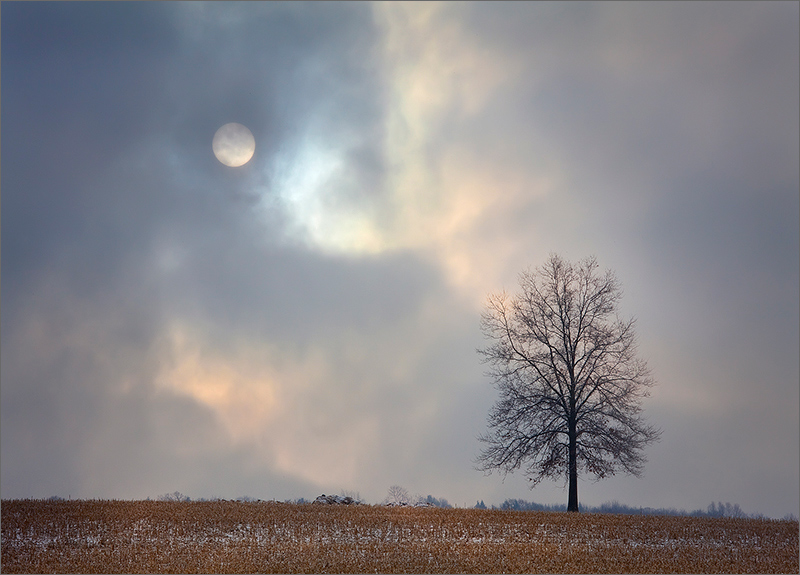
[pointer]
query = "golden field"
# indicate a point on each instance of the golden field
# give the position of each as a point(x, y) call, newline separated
point(235, 537)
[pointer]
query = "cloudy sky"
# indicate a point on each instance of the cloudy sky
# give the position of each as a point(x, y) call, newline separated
point(307, 323)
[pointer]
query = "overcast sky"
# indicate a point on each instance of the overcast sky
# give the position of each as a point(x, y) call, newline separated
point(307, 323)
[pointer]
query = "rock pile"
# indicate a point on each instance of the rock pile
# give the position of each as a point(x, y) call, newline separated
point(336, 500)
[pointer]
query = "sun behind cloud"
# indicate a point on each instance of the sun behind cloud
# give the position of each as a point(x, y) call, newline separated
point(233, 145)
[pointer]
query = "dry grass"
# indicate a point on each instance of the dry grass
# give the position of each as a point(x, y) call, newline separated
point(234, 537)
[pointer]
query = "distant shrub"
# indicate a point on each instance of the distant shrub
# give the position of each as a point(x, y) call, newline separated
point(522, 505)
point(724, 510)
point(174, 496)
point(434, 502)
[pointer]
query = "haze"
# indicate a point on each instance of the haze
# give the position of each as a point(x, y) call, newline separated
point(307, 323)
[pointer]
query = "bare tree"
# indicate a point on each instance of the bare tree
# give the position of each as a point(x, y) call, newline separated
point(397, 496)
point(569, 381)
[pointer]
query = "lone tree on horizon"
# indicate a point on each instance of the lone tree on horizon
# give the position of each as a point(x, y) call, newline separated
point(570, 383)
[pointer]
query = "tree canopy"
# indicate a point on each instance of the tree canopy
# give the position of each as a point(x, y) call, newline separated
point(570, 382)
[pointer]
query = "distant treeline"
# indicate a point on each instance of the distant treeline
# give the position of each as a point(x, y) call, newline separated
point(718, 509)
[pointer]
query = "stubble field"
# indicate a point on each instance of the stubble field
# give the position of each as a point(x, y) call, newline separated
point(237, 537)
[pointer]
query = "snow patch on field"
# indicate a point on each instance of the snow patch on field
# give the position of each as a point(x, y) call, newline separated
point(249, 537)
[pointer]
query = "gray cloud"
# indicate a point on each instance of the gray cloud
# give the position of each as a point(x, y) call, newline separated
point(308, 322)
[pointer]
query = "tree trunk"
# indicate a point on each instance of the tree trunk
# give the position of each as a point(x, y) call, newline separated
point(572, 504)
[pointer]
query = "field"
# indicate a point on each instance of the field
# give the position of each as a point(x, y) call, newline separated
point(237, 537)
